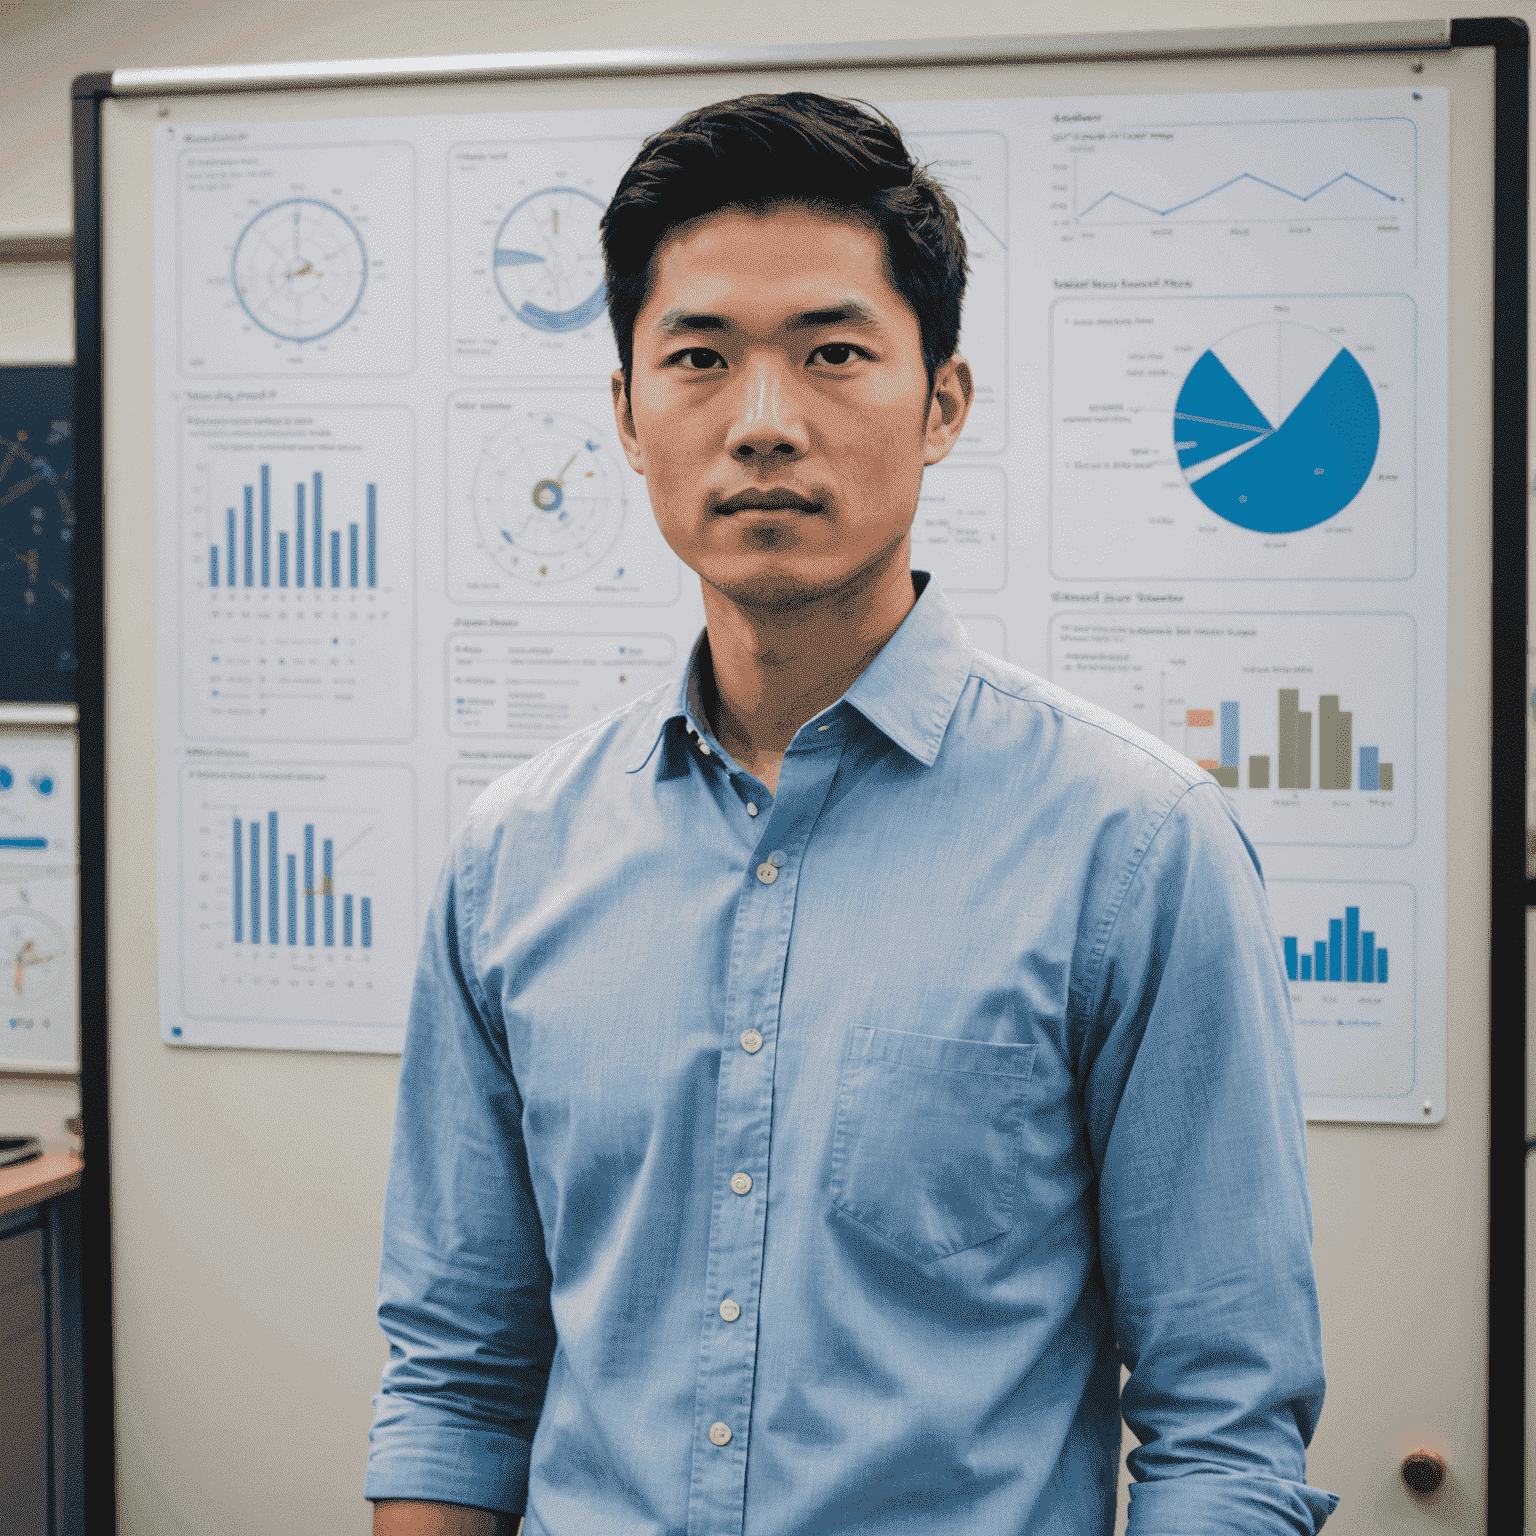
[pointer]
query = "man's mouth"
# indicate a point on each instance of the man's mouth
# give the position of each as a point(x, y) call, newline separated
point(778, 500)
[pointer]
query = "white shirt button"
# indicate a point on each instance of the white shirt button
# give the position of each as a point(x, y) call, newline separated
point(729, 1310)
point(741, 1182)
point(720, 1434)
point(767, 873)
point(776, 859)
point(703, 746)
point(751, 809)
point(751, 1041)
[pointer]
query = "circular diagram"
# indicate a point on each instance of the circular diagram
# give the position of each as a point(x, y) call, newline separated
point(547, 498)
point(36, 955)
point(1277, 427)
point(548, 260)
point(299, 269)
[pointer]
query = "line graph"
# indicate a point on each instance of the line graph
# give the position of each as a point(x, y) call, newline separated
point(1316, 170)
point(1299, 197)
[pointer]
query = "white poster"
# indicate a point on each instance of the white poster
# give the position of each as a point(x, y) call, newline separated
point(1203, 483)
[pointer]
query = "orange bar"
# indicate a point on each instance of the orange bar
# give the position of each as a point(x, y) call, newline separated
point(1204, 717)
point(1210, 764)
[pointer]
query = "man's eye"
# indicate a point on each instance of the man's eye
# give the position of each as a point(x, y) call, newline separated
point(835, 353)
point(699, 359)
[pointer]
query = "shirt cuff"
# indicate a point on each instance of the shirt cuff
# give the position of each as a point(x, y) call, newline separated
point(418, 1455)
point(1216, 1504)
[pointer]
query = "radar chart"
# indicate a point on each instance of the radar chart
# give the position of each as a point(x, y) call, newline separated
point(300, 268)
point(547, 498)
point(549, 259)
point(296, 260)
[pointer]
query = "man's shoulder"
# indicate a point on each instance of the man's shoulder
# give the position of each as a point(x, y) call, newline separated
point(1077, 737)
point(601, 753)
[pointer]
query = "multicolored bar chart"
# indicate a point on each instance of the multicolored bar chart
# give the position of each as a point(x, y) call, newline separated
point(293, 889)
point(1306, 720)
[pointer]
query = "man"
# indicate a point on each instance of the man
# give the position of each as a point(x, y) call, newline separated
point(824, 1072)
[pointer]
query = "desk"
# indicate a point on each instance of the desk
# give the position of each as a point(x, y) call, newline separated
point(40, 1457)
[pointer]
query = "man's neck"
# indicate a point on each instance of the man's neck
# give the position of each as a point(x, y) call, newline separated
point(775, 668)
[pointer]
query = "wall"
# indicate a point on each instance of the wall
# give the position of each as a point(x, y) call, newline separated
point(265, 1343)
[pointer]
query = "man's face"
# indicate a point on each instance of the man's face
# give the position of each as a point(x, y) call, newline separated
point(779, 409)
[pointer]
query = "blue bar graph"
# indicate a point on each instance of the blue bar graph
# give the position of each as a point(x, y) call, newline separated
point(213, 565)
point(237, 882)
point(1228, 735)
point(282, 559)
point(335, 557)
point(250, 542)
point(1370, 767)
point(266, 526)
point(298, 543)
point(271, 877)
point(319, 559)
point(229, 575)
point(351, 554)
point(373, 535)
point(255, 881)
point(246, 892)
point(1349, 954)
point(328, 894)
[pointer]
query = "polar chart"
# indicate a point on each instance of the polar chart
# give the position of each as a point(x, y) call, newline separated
point(1276, 428)
point(547, 498)
point(549, 260)
point(299, 269)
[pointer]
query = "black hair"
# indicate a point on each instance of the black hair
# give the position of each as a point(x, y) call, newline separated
point(759, 152)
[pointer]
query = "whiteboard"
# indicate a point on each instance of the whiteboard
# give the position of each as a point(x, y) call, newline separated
point(1206, 483)
point(270, 1120)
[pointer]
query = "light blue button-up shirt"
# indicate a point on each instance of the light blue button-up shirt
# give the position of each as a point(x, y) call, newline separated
point(811, 1162)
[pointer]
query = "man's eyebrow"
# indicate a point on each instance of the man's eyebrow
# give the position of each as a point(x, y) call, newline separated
point(847, 312)
point(676, 322)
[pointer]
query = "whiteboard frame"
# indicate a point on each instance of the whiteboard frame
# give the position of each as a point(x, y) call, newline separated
point(1505, 1429)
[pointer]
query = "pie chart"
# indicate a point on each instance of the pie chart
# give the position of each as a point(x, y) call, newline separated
point(1277, 427)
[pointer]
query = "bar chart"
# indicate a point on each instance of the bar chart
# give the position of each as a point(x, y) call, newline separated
point(1349, 960)
point(1306, 720)
point(295, 905)
point(298, 599)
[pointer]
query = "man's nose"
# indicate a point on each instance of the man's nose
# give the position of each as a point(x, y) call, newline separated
point(768, 425)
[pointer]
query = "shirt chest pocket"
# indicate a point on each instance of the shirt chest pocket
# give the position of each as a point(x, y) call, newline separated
point(928, 1135)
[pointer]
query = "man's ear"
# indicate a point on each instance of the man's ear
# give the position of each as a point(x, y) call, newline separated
point(624, 419)
point(948, 406)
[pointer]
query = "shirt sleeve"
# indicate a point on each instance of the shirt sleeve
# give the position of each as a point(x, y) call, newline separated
point(1205, 1223)
point(463, 1279)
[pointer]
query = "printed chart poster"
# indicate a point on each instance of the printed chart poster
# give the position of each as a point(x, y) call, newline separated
point(527, 255)
point(298, 574)
point(39, 901)
point(297, 905)
point(543, 507)
point(295, 259)
point(1214, 439)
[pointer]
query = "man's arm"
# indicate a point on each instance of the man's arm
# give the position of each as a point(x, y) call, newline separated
point(1205, 1223)
point(414, 1517)
point(463, 1281)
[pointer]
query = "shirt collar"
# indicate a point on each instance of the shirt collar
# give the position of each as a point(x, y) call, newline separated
point(908, 692)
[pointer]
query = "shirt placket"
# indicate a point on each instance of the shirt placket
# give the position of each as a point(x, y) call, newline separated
point(743, 1124)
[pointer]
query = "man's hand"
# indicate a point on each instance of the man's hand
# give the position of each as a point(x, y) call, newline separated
point(417, 1517)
